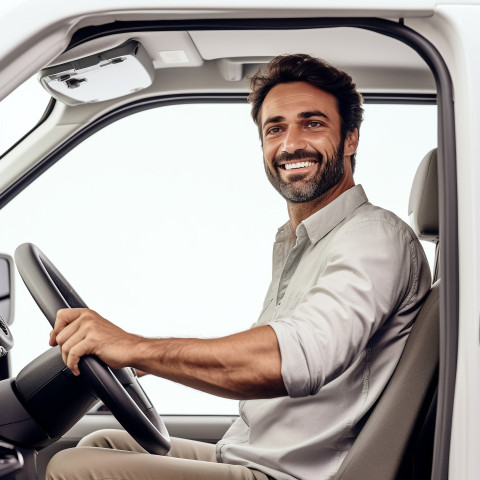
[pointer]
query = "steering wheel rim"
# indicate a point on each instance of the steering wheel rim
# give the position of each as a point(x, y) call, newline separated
point(51, 291)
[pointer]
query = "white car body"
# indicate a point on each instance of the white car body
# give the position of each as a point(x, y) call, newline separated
point(33, 34)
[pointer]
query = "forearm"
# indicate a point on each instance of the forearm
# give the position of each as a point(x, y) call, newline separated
point(241, 366)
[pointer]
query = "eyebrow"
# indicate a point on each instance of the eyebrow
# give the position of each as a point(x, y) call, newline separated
point(279, 118)
point(315, 113)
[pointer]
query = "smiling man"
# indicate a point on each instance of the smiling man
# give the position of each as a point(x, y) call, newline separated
point(348, 280)
point(304, 147)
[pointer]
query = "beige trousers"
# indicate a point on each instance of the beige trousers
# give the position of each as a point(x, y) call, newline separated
point(115, 455)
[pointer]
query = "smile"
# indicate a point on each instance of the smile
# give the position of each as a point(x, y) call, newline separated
point(292, 166)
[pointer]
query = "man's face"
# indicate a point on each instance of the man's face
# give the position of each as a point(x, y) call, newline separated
point(302, 145)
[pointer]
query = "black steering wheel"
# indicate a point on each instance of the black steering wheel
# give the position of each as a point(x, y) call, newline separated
point(119, 391)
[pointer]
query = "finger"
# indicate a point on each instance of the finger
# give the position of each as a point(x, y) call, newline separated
point(52, 340)
point(74, 348)
point(66, 316)
point(68, 340)
point(71, 359)
point(63, 318)
point(67, 322)
point(68, 332)
point(75, 353)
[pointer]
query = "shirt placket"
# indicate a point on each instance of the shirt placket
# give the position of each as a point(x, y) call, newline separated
point(289, 268)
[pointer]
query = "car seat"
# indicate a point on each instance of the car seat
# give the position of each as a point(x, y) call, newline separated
point(396, 441)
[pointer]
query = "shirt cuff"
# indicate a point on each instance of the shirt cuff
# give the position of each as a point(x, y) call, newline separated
point(297, 376)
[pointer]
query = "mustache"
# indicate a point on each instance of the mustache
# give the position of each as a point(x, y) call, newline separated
point(298, 155)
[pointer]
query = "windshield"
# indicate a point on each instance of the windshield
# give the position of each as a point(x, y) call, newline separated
point(21, 111)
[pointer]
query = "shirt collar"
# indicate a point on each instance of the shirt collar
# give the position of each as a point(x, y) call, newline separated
point(316, 226)
point(327, 218)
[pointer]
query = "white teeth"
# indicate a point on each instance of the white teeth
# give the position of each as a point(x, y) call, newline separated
point(291, 166)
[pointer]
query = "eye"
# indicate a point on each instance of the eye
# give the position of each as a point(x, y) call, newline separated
point(273, 131)
point(315, 124)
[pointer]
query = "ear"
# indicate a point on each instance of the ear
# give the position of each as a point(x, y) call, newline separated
point(351, 143)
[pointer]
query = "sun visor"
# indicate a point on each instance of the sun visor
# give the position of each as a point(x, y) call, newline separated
point(99, 77)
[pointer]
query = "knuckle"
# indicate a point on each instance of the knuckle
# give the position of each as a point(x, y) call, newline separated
point(61, 314)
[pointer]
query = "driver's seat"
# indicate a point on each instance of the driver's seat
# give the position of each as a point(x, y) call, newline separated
point(401, 422)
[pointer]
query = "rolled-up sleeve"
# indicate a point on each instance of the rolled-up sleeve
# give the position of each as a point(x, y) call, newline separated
point(370, 271)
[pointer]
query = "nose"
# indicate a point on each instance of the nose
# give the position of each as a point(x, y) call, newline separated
point(293, 140)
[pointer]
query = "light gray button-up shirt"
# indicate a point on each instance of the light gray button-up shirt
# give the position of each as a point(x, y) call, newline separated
point(342, 301)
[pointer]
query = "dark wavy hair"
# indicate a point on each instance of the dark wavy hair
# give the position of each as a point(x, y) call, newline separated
point(317, 72)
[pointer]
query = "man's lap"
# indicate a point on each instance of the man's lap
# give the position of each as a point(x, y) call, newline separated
point(114, 455)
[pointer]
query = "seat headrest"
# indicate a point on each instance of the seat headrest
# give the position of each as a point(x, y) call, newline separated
point(423, 203)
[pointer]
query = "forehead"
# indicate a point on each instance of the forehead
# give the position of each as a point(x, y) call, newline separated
point(287, 99)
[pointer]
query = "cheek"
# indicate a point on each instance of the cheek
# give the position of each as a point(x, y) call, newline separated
point(327, 146)
point(268, 165)
point(268, 154)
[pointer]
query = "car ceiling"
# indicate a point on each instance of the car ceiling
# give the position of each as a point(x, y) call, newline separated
point(378, 63)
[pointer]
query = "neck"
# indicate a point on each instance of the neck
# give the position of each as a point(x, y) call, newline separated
point(298, 212)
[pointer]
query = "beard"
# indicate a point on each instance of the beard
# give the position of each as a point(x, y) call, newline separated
point(298, 189)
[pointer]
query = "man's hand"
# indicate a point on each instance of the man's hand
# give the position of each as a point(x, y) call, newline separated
point(80, 331)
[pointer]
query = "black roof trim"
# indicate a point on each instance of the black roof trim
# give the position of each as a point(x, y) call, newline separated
point(400, 98)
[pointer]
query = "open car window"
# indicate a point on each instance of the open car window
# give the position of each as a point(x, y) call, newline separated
point(164, 222)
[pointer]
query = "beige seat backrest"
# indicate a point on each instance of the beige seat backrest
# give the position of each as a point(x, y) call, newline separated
point(386, 442)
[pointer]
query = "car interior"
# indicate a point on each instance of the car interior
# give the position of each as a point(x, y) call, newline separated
point(113, 70)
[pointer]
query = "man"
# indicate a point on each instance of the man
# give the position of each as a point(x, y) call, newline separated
point(348, 280)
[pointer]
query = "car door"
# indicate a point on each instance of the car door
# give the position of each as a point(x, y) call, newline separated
point(163, 221)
